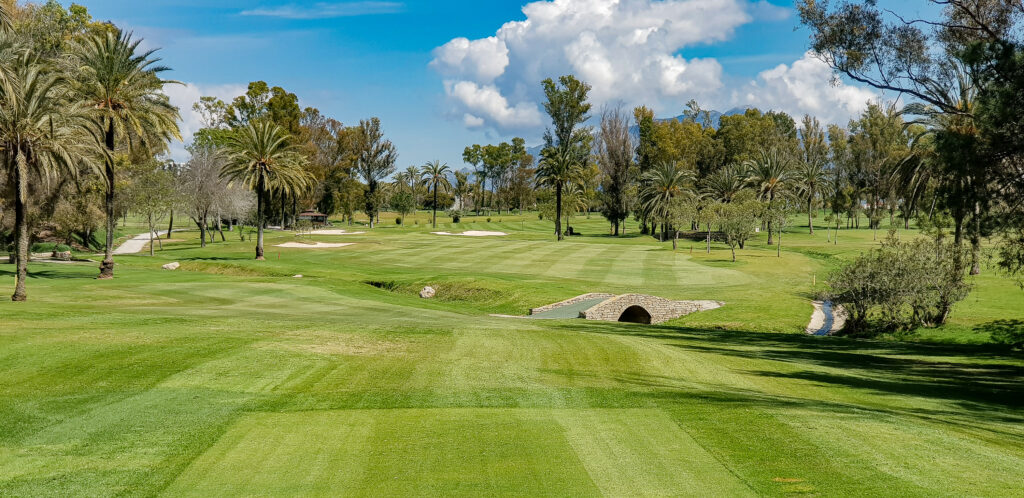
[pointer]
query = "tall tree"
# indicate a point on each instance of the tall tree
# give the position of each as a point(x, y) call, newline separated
point(376, 161)
point(435, 176)
point(811, 172)
point(615, 149)
point(40, 136)
point(201, 186)
point(122, 86)
point(262, 159)
point(771, 175)
point(566, 143)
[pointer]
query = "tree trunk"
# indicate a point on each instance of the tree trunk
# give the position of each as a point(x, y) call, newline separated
point(107, 266)
point(284, 211)
point(976, 240)
point(778, 248)
point(259, 220)
point(709, 238)
point(21, 228)
point(771, 200)
point(675, 241)
point(733, 253)
point(558, 209)
point(810, 218)
point(152, 233)
point(434, 206)
point(170, 226)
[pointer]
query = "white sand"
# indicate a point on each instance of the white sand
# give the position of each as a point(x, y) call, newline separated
point(334, 232)
point(473, 233)
point(315, 245)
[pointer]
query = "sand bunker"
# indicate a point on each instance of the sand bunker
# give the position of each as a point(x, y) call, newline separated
point(314, 245)
point(334, 232)
point(473, 233)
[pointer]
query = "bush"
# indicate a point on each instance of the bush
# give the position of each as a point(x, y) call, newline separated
point(398, 220)
point(901, 285)
point(61, 248)
point(488, 219)
point(456, 215)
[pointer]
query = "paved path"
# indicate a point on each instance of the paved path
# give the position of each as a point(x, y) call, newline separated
point(137, 244)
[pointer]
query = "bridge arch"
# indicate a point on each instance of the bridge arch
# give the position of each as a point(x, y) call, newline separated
point(636, 314)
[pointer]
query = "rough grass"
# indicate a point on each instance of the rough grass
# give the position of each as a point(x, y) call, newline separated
point(230, 378)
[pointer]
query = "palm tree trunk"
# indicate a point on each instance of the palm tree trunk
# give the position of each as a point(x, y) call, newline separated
point(435, 206)
point(558, 209)
point(107, 266)
point(21, 228)
point(259, 221)
point(810, 209)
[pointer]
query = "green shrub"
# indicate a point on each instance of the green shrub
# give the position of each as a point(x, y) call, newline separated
point(901, 285)
point(398, 220)
point(61, 248)
point(488, 219)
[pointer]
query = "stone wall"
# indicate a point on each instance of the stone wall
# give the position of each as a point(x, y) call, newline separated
point(569, 302)
point(661, 310)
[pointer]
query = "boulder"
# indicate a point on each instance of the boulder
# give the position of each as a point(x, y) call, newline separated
point(428, 292)
point(297, 276)
point(172, 266)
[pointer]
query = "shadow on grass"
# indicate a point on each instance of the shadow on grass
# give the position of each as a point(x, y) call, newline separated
point(974, 377)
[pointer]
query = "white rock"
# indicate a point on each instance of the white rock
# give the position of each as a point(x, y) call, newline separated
point(428, 292)
point(172, 266)
point(297, 276)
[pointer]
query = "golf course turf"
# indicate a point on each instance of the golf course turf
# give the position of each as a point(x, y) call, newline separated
point(231, 377)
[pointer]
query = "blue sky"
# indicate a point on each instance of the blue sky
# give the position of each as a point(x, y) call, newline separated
point(359, 59)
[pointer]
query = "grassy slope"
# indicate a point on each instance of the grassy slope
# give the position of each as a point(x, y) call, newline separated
point(229, 377)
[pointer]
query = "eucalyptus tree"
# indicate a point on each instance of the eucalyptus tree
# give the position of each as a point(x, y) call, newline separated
point(42, 136)
point(770, 173)
point(263, 159)
point(567, 144)
point(812, 175)
point(663, 184)
point(376, 160)
point(435, 176)
point(201, 186)
point(615, 157)
point(121, 84)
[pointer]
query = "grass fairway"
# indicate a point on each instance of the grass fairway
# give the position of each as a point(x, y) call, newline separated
point(229, 377)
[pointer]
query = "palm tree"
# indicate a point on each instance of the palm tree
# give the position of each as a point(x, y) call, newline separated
point(435, 175)
point(770, 174)
point(5, 17)
point(264, 160)
point(662, 184)
point(725, 183)
point(41, 133)
point(123, 88)
point(812, 180)
point(559, 166)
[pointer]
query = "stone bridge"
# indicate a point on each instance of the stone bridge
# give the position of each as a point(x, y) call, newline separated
point(636, 308)
point(640, 308)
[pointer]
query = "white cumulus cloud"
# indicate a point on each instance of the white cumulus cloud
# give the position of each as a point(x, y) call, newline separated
point(628, 50)
point(183, 97)
point(806, 87)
